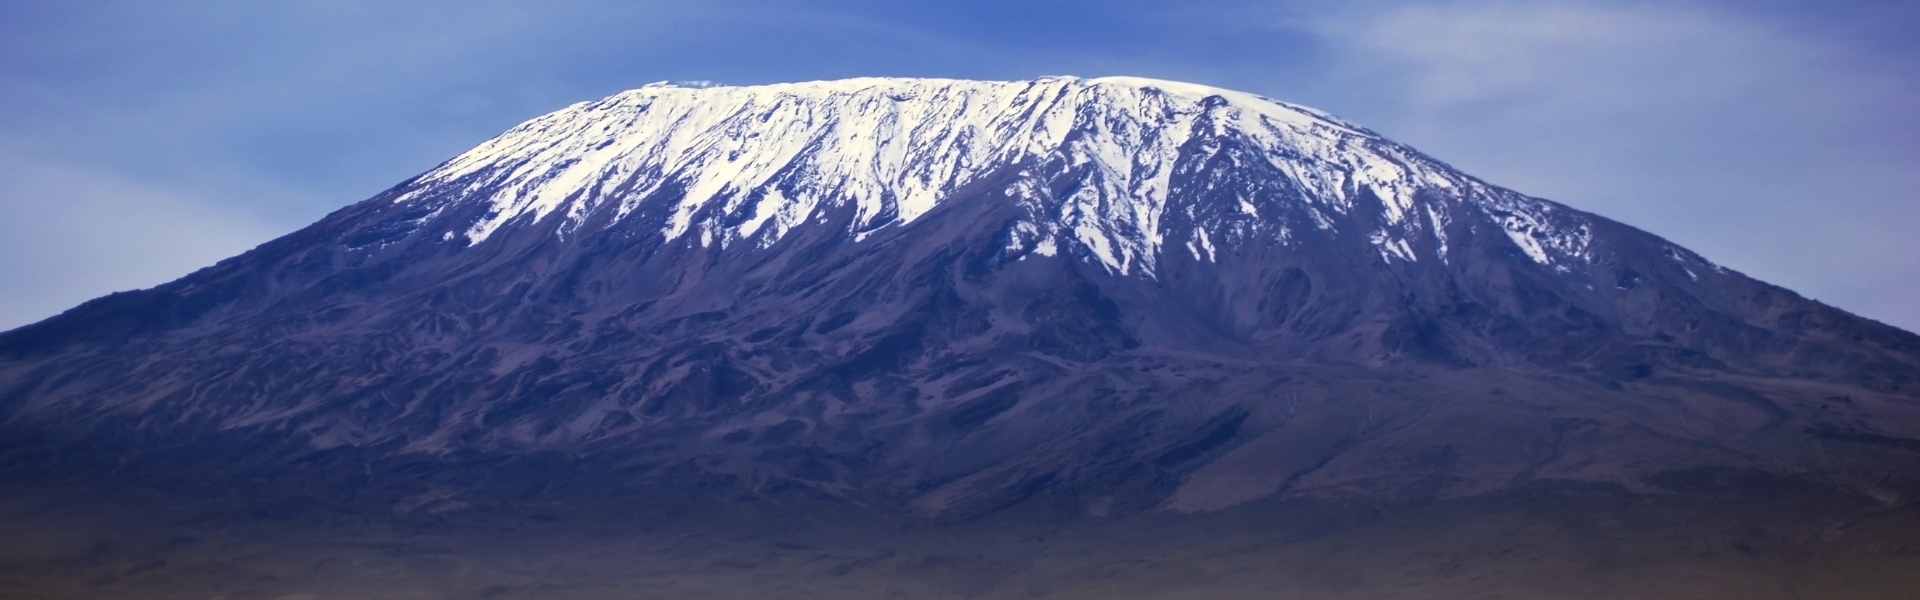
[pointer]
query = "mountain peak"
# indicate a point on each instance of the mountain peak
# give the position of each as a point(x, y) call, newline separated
point(723, 165)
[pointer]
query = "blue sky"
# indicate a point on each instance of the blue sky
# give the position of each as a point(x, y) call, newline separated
point(144, 139)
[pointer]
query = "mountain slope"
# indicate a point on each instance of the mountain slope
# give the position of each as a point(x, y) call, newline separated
point(958, 298)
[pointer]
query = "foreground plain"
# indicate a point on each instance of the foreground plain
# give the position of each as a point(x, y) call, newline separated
point(1757, 540)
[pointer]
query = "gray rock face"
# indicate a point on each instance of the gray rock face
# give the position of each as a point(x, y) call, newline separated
point(956, 298)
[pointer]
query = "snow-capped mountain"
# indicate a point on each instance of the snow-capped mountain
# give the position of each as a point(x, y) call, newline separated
point(723, 165)
point(956, 297)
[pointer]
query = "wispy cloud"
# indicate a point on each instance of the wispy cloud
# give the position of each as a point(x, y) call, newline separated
point(71, 234)
point(1782, 151)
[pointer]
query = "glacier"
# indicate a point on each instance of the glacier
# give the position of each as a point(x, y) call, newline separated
point(751, 163)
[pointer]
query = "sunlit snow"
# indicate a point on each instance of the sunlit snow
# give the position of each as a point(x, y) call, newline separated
point(732, 164)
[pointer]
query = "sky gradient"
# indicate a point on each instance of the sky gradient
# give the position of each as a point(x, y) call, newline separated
point(143, 140)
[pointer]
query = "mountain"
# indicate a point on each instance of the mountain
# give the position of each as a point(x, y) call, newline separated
point(1074, 298)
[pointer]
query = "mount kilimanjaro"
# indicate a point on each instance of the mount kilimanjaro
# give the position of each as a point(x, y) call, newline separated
point(955, 300)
